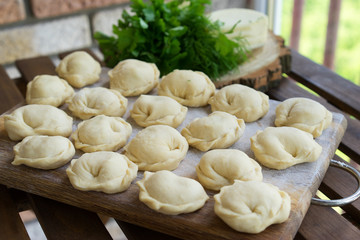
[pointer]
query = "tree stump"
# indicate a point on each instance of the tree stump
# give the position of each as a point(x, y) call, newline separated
point(264, 68)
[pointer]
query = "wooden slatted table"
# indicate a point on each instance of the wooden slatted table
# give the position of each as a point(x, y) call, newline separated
point(62, 221)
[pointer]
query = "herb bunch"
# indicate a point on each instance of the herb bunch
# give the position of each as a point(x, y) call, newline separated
point(173, 35)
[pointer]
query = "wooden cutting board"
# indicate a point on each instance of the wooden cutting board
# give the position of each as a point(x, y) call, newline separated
point(300, 181)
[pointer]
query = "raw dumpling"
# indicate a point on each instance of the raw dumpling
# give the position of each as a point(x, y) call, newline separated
point(167, 193)
point(283, 147)
point(252, 206)
point(107, 172)
point(154, 110)
point(220, 167)
point(102, 133)
point(44, 152)
point(242, 101)
point(133, 77)
point(47, 89)
point(157, 147)
point(90, 102)
point(37, 119)
point(218, 130)
point(303, 113)
point(189, 88)
point(79, 69)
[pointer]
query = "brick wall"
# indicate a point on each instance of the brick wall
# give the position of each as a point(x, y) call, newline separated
point(31, 28)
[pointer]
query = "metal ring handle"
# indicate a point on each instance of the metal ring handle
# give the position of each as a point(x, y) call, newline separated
point(343, 201)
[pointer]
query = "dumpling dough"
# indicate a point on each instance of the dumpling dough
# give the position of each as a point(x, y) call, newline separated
point(242, 101)
point(133, 77)
point(79, 69)
point(218, 130)
point(90, 102)
point(252, 206)
point(47, 89)
point(220, 167)
point(101, 133)
point(37, 119)
point(157, 147)
point(107, 172)
point(167, 193)
point(189, 88)
point(44, 152)
point(283, 147)
point(303, 113)
point(154, 110)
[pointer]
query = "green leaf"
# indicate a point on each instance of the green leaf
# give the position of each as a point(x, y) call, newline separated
point(178, 31)
point(137, 4)
point(161, 25)
point(174, 48)
point(143, 24)
point(173, 35)
point(125, 38)
point(149, 14)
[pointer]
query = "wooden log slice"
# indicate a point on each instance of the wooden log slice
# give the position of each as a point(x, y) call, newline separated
point(264, 68)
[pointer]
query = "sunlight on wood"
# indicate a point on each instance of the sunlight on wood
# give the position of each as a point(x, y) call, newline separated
point(307, 89)
point(324, 197)
point(343, 155)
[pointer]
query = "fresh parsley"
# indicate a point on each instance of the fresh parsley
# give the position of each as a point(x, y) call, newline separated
point(174, 35)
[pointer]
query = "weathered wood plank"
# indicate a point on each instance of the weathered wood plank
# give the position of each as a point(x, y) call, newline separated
point(11, 226)
point(31, 67)
point(9, 93)
point(20, 199)
point(134, 232)
point(62, 221)
point(337, 90)
point(323, 223)
point(21, 86)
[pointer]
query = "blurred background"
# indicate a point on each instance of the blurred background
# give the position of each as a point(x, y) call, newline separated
point(313, 32)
